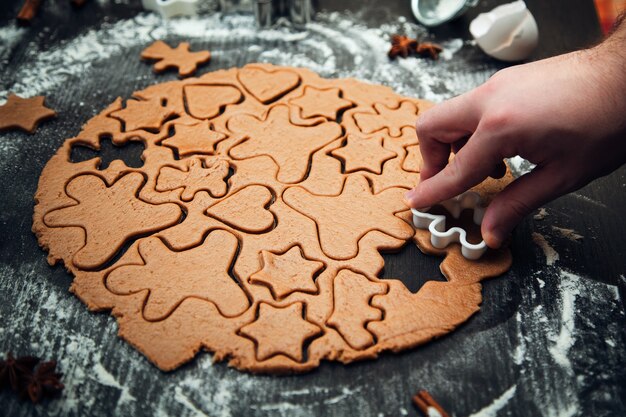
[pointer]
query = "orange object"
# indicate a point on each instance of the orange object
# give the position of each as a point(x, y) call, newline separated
point(608, 10)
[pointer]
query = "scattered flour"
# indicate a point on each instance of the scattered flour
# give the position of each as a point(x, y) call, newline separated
point(182, 399)
point(433, 412)
point(334, 45)
point(104, 377)
point(569, 289)
point(498, 404)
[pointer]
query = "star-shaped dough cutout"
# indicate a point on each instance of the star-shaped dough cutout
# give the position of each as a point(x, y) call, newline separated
point(342, 220)
point(268, 136)
point(392, 119)
point(280, 330)
point(109, 216)
point(363, 153)
point(287, 273)
point(180, 57)
point(194, 139)
point(171, 276)
point(321, 102)
point(143, 114)
point(24, 113)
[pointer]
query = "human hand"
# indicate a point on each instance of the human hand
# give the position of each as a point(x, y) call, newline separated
point(565, 114)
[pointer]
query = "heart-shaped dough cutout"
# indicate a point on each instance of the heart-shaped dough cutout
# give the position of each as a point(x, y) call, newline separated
point(246, 210)
point(268, 86)
point(207, 101)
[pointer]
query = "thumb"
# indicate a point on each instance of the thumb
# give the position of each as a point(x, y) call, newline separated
point(518, 199)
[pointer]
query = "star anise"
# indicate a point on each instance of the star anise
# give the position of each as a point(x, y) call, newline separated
point(44, 381)
point(428, 50)
point(402, 46)
point(13, 370)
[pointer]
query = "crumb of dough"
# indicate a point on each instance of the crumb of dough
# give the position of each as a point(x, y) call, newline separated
point(568, 233)
point(551, 255)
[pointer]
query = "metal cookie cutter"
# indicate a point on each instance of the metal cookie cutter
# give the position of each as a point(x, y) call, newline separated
point(171, 8)
point(436, 224)
point(435, 12)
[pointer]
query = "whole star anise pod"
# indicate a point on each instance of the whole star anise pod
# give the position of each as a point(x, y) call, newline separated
point(428, 50)
point(402, 46)
point(44, 381)
point(13, 370)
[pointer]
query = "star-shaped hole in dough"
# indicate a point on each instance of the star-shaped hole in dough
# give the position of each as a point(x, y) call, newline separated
point(144, 114)
point(287, 273)
point(194, 139)
point(24, 113)
point(268, 137)
point(171, 277)
point(280, 330)
point(321, 102)
point(180, 57)
point(363, 153)
point(342, 220)
point(208, 176)
point(392, 119)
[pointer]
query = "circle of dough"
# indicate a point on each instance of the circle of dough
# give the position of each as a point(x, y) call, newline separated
point(254, 227)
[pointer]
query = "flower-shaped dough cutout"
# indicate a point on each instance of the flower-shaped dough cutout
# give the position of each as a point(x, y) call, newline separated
point(122, 216)
point(386, 118)
point(280, 331)
point(363, 153)
point(268, 136)
point(194, 139)
point(287, 273)
point(342, 220)
point(321, 102)
point(170, 276)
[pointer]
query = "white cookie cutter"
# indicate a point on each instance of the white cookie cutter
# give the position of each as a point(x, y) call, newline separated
point(171, 8)
point(436, 224)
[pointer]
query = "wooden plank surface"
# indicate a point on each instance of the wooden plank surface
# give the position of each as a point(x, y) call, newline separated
point(549, 339)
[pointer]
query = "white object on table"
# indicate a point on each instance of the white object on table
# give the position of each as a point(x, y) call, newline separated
point(171, 8)
point(441, 237)
point(435, 12)
point(508, 32)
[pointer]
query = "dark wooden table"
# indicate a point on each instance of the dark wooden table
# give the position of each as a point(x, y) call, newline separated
point(549, 341)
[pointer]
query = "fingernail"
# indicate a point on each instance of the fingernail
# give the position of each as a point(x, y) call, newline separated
point(494, 238)
point(409, 196)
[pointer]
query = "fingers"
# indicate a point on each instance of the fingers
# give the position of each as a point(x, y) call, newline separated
point(517, 200)
point(471, 165)
point(442, 126)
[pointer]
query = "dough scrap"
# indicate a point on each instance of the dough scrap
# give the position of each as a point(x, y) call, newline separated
point(255, 225)
point(180, 57)
point(24, 113)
